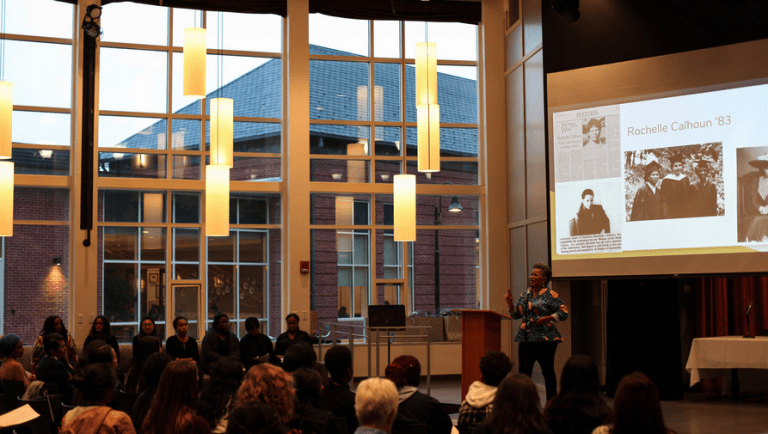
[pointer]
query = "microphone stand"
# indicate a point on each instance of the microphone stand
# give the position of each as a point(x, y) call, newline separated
point(749, 329)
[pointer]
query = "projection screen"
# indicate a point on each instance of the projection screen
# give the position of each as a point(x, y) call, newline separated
point(659, 166)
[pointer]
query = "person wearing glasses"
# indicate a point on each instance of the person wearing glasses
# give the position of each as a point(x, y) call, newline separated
point(219, 342)
point(101, 330)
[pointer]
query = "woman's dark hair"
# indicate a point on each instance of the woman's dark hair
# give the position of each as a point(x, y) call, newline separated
point(578, 408)
point(217, 318)
point(141, 329)
point(177, 319)
point(404, 371)
point(338, 360)
point(587, 192)
point(254, 418)
point(154, 367)
point(94, 384)
point(494, 367)
point(147, 346)
point(217, 397)
point(51, 342)
point(636, 408)
point(516, 408)
point(307, 383)
point(292, 315)
point(594, 123)
point(545, 270)
point(106, 333)
point(175, 400)
point(299, 355)
point(49, 326)
point(252, 323)
point(103, 354)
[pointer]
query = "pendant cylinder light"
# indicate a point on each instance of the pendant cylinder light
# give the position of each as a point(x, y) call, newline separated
point(6, 198)
point(217, 201)
point(6, 117)
point(405, 207)
point(345, 213)
point(356, 168)
point(194, 62)
point(222, 115)
point(428, 112)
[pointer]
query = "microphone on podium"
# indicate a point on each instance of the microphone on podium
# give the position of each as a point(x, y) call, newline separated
point(749, 329)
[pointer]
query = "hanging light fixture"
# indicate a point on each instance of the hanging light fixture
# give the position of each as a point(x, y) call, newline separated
point(6, 117)
point(356, 168)
point(405, 207)
point(427, 110)
point(222, 124)
point(217, 201)
point(6, 198)
point(194, 62)
point(221, 158)
point(345, 214)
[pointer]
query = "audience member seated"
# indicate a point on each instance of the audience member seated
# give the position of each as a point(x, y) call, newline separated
point(636, 408)
point(134, 381)
point(180, 346)
point(153, 369)
point(376, 404)
point(578, 408)
point(300, 355)
point(51, 368)
point(219, 342)
point(308, 415)
point(336, 397)
point(11, 349)
point(291, 336)
point(218, 397)
point(415, 407)
point(103, 353)
point(254, 344)
point(478, 403)
point(516, 409)
point(173, 409)
point(268, 384)
point(147, 328)
point(255, 418)
point(95, 386)
point(101, 330)
point(54, 324)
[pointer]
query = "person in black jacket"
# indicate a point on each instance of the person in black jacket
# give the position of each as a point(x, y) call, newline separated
point(336, 396)
point(220, 342)
point(254, 344)
point(415, 408)
point(101, 330)
point(291, 336)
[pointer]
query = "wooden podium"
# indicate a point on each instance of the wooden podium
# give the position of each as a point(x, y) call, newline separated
point(480, 333)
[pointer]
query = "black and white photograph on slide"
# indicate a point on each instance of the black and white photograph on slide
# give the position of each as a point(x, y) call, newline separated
point(675, 182)
point(752, 170)
point(599, 155)
point(589, 217)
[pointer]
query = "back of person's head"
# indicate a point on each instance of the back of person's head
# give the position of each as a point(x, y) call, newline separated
point(404, 371)
point(376, 401)
point(226, 377)
point(307, 383)
point(494, 366)
point(636, 408)
point(338, 361)
point(579, 376)
point(85, 357)
point(147, 346)
point(154, 367)
point(8, 344)
point(270, 385)
point(300, 355)
point(52, 342)
point(516, 408)
point(175, 399)
point(95, 384)
point(102, 354)
point(254, 418)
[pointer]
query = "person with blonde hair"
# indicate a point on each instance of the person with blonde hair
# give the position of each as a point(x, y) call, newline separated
point(270, 385)
point(376, 403)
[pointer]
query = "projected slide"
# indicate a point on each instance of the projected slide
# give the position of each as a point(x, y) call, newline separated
point(685, 172)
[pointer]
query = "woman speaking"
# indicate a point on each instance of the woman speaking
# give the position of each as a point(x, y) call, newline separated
point(540, 308)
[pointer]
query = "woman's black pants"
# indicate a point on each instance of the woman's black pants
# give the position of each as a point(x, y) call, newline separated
point(544, 353)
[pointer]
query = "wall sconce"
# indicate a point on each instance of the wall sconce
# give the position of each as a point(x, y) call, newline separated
point(194, 62)
point(57, 260)
point(6, 198)
point(405, 207)
point(217, 201)
point(427, 110)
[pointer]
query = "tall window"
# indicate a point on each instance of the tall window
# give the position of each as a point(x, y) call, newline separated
point(150, 136)
point(37, 60)
point(362, 133)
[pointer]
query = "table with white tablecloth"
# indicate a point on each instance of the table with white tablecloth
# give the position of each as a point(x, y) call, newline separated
point(719, 356)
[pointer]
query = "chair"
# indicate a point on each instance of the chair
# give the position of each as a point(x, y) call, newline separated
point(46, 422)
point(126, 401)
point(12, 390)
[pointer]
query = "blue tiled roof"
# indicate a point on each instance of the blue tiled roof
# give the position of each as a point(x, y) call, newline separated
point(333, 95)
